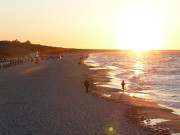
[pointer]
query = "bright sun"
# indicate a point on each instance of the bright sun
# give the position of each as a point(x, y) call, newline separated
point(139, 29)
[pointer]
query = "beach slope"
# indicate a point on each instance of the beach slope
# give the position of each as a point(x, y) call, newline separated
point(49, 98)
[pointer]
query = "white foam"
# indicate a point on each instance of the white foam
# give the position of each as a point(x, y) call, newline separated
point(154, 73)
point(154, 121)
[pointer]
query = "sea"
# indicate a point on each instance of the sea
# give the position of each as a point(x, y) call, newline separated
point(151, 75)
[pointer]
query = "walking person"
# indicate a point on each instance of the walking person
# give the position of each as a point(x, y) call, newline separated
point(123, 84)
point(86, 84)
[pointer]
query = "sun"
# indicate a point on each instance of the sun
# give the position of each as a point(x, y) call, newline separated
point(139, 29)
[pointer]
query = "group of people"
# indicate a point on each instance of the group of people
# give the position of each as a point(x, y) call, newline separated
point(11, 61)
point(82, 59)
point(7, 62)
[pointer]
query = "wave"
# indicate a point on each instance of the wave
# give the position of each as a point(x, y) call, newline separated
point(140, 80)
point(124, 74)
point(167, 59)
point(168, 71)
point(136, 87)
point(157, 74)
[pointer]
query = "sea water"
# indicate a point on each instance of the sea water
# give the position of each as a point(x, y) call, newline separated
point(153, 76)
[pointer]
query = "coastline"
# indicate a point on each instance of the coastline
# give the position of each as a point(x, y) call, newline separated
point(53, 94)
point(151, 116)
point(50, 98)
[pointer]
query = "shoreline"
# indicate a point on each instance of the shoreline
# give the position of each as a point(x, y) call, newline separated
point(50, 98)
point(145, 114)
point(44, 93)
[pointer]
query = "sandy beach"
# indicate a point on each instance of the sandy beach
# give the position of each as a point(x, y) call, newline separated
point(49, 98)
point(153, 117)
point(90, 67)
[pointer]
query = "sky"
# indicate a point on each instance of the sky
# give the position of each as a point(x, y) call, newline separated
point(93, 24)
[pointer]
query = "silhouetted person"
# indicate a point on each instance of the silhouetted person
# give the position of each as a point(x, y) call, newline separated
point(86, 84)
point(123, 84)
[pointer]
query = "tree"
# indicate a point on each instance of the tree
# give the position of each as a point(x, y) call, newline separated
point(28, 42)
point(16, 41)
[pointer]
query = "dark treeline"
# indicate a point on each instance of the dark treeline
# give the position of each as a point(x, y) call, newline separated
point(17, 48)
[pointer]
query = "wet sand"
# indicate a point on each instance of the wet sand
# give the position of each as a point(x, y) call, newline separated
point(49, 99)
point(140, 110)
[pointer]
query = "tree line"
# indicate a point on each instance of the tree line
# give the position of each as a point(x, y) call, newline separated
point(16, 48)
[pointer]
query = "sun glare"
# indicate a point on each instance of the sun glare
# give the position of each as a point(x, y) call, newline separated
point(139, 29)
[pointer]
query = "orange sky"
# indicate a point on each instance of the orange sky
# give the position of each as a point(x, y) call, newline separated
point(95, 24)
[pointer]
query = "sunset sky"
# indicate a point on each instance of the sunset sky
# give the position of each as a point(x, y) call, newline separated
point(95, 24)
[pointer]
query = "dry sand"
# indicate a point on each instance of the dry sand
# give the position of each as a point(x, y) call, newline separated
point(49, 99)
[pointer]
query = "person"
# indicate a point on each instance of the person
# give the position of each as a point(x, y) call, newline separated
point(123, 84)
point(86, 84)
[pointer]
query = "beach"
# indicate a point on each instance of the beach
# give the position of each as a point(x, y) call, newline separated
point(151, 116)
point(158, 118)
point(50, 98)
point(90, 67)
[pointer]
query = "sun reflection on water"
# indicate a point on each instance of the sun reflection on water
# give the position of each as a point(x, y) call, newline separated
point(139, 95)
point(139, 66)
